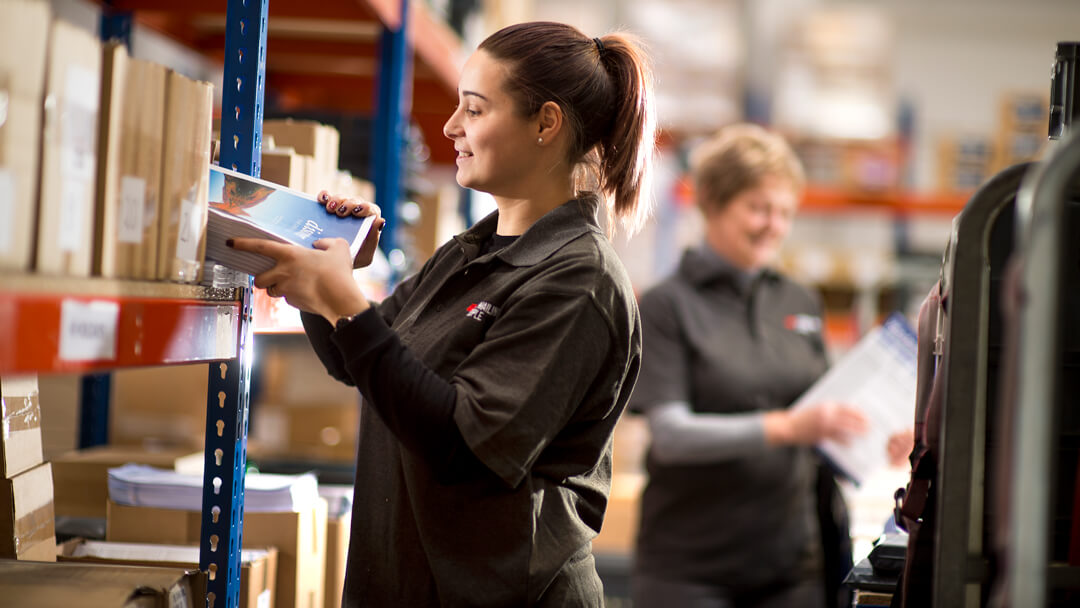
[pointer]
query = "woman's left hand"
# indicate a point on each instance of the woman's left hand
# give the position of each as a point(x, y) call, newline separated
point(317, 280)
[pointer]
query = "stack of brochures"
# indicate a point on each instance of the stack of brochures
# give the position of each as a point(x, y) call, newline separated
point(244, 206)
point(144, 486)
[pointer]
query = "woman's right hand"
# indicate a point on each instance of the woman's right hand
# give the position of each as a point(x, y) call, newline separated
point(814, 424)
point(343, 207)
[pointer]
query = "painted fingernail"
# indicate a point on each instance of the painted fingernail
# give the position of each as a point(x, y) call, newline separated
point(229, 243)
point(332, 205)
point(343, 211)
point(358, 210)
point(324, 197)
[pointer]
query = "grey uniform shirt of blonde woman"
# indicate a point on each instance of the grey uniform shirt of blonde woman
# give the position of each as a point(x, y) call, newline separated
point(681, 436)
point(722, 347)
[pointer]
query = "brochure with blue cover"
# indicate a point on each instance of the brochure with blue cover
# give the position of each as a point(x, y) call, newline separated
point(244, 206)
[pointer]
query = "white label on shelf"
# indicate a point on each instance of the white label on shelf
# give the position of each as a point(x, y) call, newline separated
point(129, 225)
point(263, 601)
point(7, 210)
point(78, 139)
point(187, 240)
point(88, 330)
point(72, 217)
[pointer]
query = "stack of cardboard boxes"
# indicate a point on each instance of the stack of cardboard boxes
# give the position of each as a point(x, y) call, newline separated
point(298, 537)
point(27, 528)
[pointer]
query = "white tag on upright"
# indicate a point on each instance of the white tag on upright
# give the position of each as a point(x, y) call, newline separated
point(88, 330)
point(129, 225)
point(7, 210)
point(72, 217)
point(187, 240)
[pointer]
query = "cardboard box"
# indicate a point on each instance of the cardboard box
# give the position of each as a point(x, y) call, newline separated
point(315, 431)
point(337, 555)
point(309, 138)
point(129, 168)
point(20, 425)
point(59, 397)
point(24, 35)
point(96, 585)
point(619, 532)
point(185, 179)
point(164, 406)
point(284, 166)
point(81, 477)
point(27, 529)
point(69, 152)
point(258, 567)
point(300, 539)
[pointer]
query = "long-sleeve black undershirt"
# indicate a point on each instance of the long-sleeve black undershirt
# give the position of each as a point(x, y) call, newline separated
point(414, 402)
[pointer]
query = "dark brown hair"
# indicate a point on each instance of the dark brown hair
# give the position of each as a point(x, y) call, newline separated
point(736, 159)
point(604, 88)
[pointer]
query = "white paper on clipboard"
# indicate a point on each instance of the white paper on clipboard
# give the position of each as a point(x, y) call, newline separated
point(877, 376)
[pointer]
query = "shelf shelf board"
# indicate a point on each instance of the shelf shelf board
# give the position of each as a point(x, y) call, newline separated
point(820, 198)
point(79, 325)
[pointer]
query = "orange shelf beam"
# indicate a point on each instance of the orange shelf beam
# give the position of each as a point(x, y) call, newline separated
point(47, 332)
point(831, 199)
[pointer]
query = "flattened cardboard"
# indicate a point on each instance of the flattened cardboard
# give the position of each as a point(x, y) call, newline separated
point(96, 585)
point(258, 567)
point(65, 220)
point(184, 179)
point(129, 172)
point(24, 35)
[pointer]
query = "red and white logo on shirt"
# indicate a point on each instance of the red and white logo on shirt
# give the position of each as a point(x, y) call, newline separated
point(480, 311)
point(803, 324)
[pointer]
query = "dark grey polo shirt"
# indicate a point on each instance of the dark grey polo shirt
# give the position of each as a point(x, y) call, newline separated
point(541, 342)
point(726, 342)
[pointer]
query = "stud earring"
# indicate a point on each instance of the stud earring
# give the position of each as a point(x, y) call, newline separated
point(540, 140)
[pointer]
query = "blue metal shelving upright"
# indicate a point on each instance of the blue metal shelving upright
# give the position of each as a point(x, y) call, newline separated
point(227, 402)
point(393, 102)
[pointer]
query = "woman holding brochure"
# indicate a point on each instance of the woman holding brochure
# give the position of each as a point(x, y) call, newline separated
point(492, 379)
point(729, 515)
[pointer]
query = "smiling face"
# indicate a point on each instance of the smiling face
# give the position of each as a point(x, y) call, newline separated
point(497, 149)
point(749, 230)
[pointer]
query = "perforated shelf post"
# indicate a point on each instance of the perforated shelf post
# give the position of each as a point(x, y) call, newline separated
point(227, 402)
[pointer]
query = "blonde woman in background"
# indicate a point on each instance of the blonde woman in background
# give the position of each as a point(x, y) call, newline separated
point(729, 517)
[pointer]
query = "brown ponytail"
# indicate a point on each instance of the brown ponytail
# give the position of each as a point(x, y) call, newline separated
point(604, 87)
